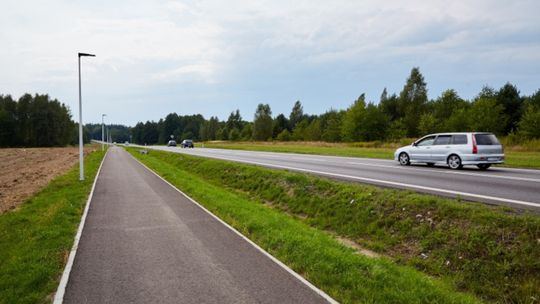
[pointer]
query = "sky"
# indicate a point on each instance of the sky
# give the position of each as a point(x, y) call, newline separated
point(213, 57)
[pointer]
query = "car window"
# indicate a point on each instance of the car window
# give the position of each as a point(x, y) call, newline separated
point(486, 139)
point(428, 141)
point(443, 140)
point(459, 139)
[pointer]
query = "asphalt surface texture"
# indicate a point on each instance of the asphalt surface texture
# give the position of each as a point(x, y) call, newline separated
point(145, 242)
point(518, 188)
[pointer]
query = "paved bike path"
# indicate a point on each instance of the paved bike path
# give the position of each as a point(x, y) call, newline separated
point(144, 242)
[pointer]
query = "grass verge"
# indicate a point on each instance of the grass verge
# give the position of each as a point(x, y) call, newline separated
point(491, 252)
point(307, 148)
point(515, 156)
point(36, 238)
point(333, 267)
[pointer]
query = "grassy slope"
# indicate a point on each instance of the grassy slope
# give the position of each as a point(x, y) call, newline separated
point(345, 275)
point(492, 252)
point(36, 238)
point(514, 157)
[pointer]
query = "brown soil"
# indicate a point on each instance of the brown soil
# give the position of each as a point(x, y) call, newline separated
point(25, 171)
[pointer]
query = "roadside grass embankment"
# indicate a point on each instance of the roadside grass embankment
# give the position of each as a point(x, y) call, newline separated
point(491, 252)
point(523, 155)
point(36, 238)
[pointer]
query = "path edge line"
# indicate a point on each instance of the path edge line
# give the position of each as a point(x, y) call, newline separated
point(264, 252)
point(60, 291)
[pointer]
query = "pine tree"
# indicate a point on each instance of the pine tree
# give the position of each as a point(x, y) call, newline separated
point(508, 97)
point(262, 122)
point(352, 120)
point(297, 114)
point(412, 101)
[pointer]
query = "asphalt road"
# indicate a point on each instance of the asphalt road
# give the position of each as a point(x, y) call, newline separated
point(145, 242)
point(504, 186)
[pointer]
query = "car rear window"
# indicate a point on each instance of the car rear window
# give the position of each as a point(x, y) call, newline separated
point(459, 139)
point(486, 139)
point(443, 140)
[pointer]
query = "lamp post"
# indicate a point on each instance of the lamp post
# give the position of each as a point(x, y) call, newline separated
point(81, 159)
point(103, 131)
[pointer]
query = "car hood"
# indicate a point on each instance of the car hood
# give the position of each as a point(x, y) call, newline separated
point(403, 148)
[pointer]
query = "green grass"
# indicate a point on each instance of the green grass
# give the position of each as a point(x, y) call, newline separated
point(516, 156)
point(491, 252)
point(253, 200)
point(522, 159)
point(36, 238)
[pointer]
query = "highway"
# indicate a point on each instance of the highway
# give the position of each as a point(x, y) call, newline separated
point(518, 188)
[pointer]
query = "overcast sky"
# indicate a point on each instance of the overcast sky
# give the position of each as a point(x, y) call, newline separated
point(212, 57)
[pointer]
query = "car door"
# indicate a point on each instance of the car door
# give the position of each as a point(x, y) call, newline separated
point(440, 148)
point(421, 150)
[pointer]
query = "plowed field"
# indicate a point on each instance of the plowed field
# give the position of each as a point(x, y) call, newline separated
point(24, 171)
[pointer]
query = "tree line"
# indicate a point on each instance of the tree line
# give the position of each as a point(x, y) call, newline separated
point(35, 121)
point(117, 133)
point(407, 114)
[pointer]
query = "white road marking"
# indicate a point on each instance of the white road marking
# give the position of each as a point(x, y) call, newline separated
point(448, 172)
point(264, 252)
point(59, 296)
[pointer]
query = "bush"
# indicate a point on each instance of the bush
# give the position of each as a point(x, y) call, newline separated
point(285, 135)
point(529, 125)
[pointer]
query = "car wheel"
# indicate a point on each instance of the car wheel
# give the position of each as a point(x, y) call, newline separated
point(454, 162)
point(404, 159)
point(483, 166)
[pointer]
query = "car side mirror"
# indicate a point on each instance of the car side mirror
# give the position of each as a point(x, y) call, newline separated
point(414, 144)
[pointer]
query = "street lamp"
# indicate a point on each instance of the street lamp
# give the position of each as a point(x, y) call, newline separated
point(103, 131)
point(81, 160)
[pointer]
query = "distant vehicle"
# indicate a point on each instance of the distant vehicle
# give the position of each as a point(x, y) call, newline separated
point(114, 143)
point(126, 143)
point(171, 143)
point(187, 143)
point(453, 149)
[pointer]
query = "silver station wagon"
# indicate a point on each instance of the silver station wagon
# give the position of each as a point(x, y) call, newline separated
point(453, 149)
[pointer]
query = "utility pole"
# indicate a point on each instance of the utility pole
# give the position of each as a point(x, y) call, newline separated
point(103, 132)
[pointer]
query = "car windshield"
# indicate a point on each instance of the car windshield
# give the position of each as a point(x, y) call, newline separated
point(428, 141)
point(486, 139)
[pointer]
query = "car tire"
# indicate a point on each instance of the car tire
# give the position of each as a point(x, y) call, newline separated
point(454, 162)
point(404, 159)
point(483, 166)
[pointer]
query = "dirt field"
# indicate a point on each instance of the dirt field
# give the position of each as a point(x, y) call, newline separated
point(24, 171)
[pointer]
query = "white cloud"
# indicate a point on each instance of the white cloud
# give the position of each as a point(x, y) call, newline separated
point(203, 71)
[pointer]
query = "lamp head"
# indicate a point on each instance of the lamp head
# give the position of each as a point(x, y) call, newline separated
point(86, 55)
